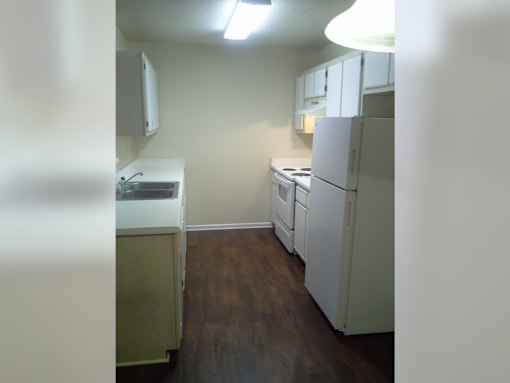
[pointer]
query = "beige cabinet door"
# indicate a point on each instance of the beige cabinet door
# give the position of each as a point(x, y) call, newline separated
point(146, 312)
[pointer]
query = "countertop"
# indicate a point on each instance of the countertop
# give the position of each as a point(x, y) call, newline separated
point(151, 216)
point(304, 182)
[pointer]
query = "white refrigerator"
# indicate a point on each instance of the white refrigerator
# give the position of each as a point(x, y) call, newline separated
point(350, 228)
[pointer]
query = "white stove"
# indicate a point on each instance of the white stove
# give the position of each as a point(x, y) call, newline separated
point(301, 176)
point(292, 173)
point(288, 172)
point(295, 169)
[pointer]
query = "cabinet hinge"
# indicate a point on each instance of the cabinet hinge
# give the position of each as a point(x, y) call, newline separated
point(147, 124)
point(143, 65)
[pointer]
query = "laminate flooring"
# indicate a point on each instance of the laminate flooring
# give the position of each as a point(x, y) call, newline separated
point(249, 318)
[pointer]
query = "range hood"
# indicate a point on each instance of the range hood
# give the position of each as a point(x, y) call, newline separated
point(315, 108)
point(305, 117)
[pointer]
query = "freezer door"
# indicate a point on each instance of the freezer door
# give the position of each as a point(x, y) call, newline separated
point(329, 247)
point(336, 151)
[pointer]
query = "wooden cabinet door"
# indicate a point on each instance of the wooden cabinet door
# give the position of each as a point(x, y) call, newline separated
point(145, 299)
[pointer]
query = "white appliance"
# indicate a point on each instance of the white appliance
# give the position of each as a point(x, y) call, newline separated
point(350, 228)
point(286, 172)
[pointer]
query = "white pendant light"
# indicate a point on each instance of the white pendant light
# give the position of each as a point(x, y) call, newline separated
point(368, 25)
point(247, 15)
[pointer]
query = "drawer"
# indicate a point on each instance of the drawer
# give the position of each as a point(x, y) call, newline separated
point(302, 196)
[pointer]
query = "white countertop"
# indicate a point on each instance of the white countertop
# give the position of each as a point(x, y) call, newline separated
point(151, 216)
point(304, 182)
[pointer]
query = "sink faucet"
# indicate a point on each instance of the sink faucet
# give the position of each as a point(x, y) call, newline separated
point(133, 176)
point(123, 181)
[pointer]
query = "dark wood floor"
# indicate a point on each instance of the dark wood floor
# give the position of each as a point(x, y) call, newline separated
point(249, 318)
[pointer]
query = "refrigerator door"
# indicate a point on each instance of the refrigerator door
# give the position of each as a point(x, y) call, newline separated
point(328, 248)
point(336, 150)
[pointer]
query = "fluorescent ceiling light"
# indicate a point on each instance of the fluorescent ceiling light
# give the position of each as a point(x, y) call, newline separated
point(246, 17)
point(368, 25)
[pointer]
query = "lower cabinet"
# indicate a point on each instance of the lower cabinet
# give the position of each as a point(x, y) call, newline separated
point(149, 297)
point(300, 218)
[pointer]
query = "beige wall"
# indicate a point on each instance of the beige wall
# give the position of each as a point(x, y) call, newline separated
point(331, 52)
point(125, 146)
point(227, 111)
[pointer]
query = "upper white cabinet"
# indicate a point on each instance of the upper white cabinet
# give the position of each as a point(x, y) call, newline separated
point(351, 87)
point(344, 81)
point(378, 70)
point(299, 101)
point(137, 95)
point(315, 83)
point(335, 89)
point(334, 100)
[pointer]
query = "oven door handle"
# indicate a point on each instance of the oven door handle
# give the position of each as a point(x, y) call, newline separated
point(283, 181)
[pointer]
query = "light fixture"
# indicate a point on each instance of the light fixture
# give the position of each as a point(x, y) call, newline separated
point(368, 25)
point(246, 17)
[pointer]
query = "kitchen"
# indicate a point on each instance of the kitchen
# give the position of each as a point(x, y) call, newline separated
point(221, 97)
point(189, 77)
point(439, 269)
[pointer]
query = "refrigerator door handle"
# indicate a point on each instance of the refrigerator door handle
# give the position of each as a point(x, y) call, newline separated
point(353, 161)
point(349, 214)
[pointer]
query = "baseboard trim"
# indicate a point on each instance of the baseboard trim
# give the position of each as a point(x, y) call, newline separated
point(230, 226)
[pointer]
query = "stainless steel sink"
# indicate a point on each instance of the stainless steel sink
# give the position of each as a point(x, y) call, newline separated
point(136, 191)
point(151, 185)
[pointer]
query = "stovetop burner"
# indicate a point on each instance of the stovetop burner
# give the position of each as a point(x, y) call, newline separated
point(292, 173)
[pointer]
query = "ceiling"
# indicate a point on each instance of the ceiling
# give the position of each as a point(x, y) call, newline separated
point(290, 23)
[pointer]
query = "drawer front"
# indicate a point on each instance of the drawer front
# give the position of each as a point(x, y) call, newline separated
point(302, 196)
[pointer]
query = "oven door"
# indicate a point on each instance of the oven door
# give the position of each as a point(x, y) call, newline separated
point(285, 191)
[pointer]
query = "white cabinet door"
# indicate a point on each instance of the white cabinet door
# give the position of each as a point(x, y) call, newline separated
point(334, 100)
point(315, 83)
point(150, 97)
point(299, 102)
point(351, 87)
point(309, 84)
point(137, 111)
point(319, 83)
point(376, 69)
